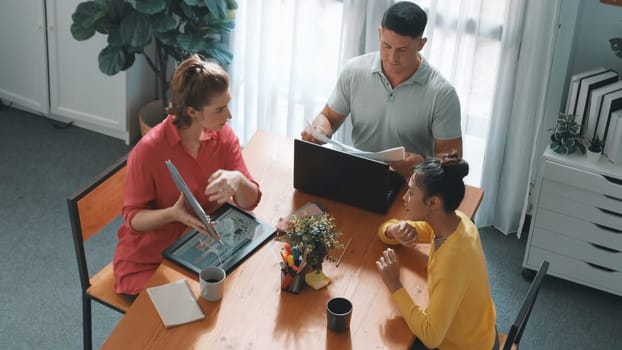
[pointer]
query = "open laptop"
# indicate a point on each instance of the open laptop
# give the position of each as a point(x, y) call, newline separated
point(346, 178)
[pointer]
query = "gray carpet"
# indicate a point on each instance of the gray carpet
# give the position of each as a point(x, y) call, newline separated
point(41, 163)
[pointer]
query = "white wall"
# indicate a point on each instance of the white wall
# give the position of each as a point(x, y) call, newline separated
point(597, 23)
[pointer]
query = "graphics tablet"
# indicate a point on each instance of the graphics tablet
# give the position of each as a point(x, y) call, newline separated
point(240, 233)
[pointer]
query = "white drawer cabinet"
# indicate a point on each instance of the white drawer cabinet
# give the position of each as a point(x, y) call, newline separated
point(577, 221)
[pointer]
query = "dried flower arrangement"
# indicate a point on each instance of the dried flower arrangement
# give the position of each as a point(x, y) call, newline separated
point(314, 235)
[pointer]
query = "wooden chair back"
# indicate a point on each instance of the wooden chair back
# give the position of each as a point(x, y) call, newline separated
point(516, 330)
point(95, 206)
point(91, 209)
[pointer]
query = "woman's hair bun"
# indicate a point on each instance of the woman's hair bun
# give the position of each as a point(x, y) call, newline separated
point(453, 165)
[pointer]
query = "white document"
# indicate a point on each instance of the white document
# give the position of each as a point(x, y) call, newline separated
point(388, 155)
point(175, 303)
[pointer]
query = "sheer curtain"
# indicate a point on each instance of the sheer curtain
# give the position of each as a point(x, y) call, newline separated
point(519, 110)
point(287, 55)
point(285, 63)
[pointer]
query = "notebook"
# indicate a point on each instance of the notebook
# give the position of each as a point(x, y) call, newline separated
point(175, 303)
point(611, 103)
point(343, 177)
point(573, 89)
point(586, 86)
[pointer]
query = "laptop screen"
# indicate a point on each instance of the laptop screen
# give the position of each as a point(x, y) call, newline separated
point(346, 178)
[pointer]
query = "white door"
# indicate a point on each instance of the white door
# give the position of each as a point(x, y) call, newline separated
point(23, 56)
point(78, 90)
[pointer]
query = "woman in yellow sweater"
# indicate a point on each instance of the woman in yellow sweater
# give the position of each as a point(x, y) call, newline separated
point(461, 313)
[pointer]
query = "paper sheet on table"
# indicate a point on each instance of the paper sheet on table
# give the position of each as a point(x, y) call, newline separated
point(388, 155)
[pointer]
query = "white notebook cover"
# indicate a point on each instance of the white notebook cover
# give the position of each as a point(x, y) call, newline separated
point(175, 303)
point(585, 89)
point(611, 102)
point(596, 103)
point(614, 139)
point(573, 89)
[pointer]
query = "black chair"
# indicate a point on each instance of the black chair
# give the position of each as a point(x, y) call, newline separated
point(90, 210)
point(511, 340)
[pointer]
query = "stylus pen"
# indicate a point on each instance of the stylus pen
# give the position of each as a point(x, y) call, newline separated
point(212, 231)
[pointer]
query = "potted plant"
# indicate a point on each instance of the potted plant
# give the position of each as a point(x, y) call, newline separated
point(594, 148)
point(173, 28)
point(313, 236)
point(566, 138)
point(616, 46)
point(308, 240)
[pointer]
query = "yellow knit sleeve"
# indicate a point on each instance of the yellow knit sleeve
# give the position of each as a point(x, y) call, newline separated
point(382, 232)
point(424, 231)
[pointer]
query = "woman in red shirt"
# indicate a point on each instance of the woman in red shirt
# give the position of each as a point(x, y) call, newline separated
point(195, 136)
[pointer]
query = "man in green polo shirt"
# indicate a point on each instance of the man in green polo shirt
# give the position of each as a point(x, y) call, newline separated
point(394, 97)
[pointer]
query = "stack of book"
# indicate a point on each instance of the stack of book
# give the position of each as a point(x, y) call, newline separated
point(594, 97)
point(613, 146)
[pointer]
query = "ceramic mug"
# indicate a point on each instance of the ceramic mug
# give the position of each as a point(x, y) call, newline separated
point(212, 280)
point(338, 314)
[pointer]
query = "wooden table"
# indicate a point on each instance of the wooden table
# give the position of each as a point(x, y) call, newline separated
point(255, 314)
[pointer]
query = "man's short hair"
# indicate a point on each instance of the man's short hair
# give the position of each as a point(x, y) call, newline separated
point(405, 18)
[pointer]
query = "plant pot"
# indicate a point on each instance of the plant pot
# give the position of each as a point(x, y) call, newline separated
point(150, 115)
point(592, 156)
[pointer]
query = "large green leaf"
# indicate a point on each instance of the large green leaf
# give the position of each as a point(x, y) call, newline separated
point(218, 25)
point(135, 30)
point(232, 5)
point(113, 59)
point(182, 27)
point(150, 7)
point(162, 22)
point(114, 39)
point(217, 7)
point(86, 15)
point(115, 11)
point(188, 11)
point(168, 38)
point(218, 51)
point(191, 42)
point(174, 52)
point(122, 8)
point(80, 33)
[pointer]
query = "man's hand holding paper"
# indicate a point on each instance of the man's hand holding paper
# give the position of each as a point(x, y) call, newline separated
point(313, 133)
point(405, 166)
